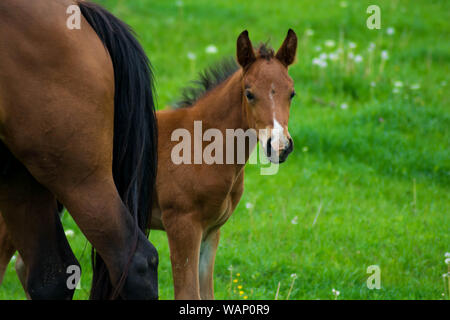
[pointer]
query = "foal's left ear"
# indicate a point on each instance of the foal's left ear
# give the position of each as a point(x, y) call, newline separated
point(286, 53)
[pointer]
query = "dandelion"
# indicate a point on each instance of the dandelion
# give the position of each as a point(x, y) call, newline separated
point(309, 32)
point(336, 293)
point(294, 276)
point(330, 43)
point(344, 106)
point(447, 261)
point(384, 55)
point(333, 56)
point(241, 293)
point(238, 274)
point(319, 62)
point(358, 58)
point(245, 297)
point(447, 254)
point(235, 280)
point(239, 287)
point(211, 49)
point(415, 86)
point(294, 220)
point(191, 56)
point(248, 205)
point(398, 84)
point(390, 31)
point(352, 45)
point(230, 268)
point(69, 233)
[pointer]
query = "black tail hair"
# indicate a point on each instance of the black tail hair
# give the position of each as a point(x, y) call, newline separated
point(135, 131)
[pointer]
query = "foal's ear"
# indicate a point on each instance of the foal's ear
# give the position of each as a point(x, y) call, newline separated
point(286, 53)
point(245, 53)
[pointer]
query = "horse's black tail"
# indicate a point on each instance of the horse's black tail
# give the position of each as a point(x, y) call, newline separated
point(135, 131)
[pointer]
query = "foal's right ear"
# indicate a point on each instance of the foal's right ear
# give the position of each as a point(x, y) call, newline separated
point(245, 53)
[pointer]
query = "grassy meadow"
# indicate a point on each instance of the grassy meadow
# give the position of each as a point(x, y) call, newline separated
point(368, 182)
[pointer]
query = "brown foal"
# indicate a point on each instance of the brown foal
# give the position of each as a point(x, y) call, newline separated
point(192, 201)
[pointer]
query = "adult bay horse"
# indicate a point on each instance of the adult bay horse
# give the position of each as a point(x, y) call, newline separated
point(77, 126)
point(192, 201)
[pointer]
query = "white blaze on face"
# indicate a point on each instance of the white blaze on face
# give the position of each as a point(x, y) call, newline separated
point(278, 140)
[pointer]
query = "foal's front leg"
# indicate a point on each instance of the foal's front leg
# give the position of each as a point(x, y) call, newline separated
point(208, 251)
point(184, 241)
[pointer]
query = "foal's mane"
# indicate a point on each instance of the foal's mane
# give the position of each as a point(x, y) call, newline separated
point(214, 75)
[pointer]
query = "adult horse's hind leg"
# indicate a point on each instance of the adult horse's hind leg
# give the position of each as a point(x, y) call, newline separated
point(30, 214)
point(7, 248)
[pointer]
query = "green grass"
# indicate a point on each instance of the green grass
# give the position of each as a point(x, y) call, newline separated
point(379, 169)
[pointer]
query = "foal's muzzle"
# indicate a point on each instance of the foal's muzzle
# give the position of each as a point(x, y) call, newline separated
point(282, 153)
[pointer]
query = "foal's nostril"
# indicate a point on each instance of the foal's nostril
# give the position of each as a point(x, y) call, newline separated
point(269, 147)
point(291, 146)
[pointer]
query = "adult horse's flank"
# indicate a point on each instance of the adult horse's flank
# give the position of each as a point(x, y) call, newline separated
point(194, 201)
point(77, 125)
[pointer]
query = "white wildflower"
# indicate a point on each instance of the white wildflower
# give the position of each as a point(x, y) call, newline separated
point(352, 45)
point(447, 254)
point(358, 58)
point(351, 55)
point(294, 276)
point(447, 261)
point(373, 84)
point(309, 32)
point(390, 31)
point(371, 47)
point(191, 56)
point(179, 3)
point(211, 49)
point(318, 48)
point(344, 106)
point(384, 55)
point(319, 62)
point(323, 56)
point(248, 205)
point(415, 86)
point(333, 56)
point(343, 4)
point(294, 220)
point(395, 90)
point(330, 43)
point(398, 84)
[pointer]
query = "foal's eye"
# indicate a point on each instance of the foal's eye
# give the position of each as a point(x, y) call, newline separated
point(249, 95)
point(293, 94)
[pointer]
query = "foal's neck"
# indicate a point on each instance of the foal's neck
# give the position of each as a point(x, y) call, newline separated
point(222, 107)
